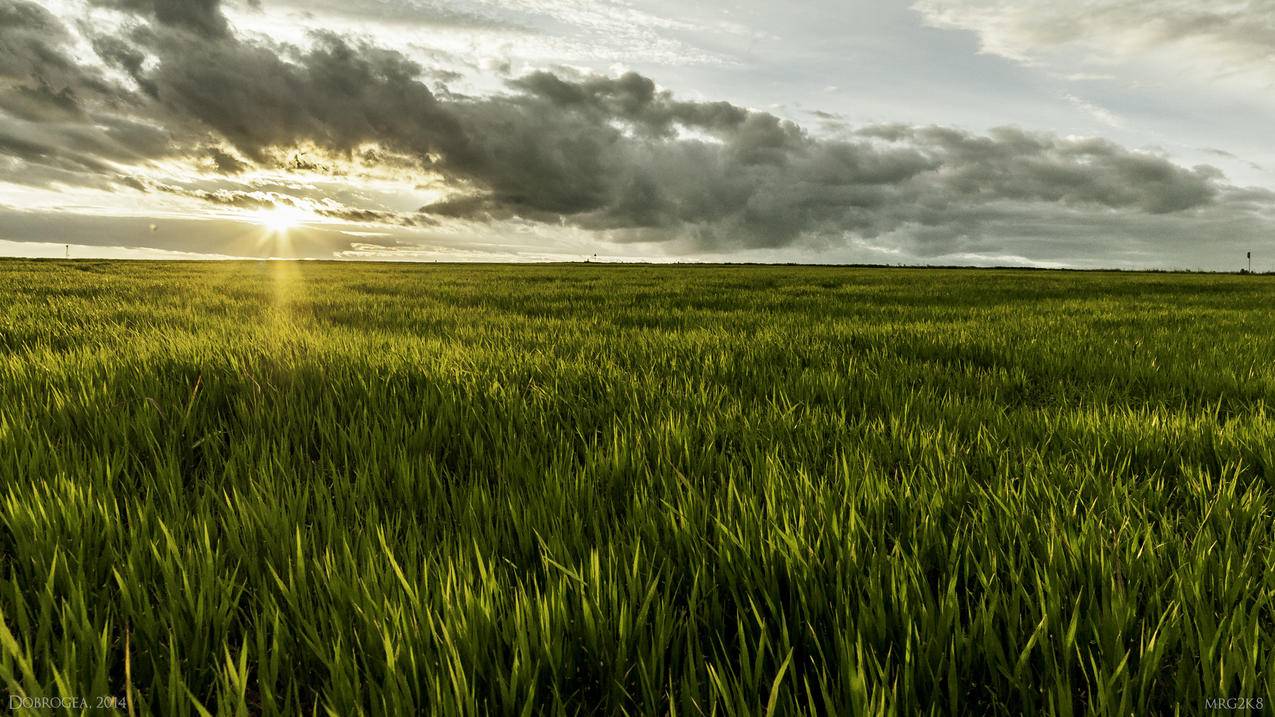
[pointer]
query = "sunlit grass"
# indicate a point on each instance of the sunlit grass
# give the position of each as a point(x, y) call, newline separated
point(295, 487)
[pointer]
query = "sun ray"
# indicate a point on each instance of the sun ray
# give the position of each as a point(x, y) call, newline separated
point(277, 223)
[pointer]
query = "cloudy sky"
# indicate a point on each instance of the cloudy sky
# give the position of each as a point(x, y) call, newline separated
point(1093, 133)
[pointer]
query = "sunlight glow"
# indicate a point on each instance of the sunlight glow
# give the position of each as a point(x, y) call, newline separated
point(280, 218)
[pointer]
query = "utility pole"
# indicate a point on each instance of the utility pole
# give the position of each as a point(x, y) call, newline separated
point(68, 251)
point(1250, 262)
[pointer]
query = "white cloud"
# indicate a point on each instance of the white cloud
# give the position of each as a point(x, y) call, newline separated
point(1099, 113)
point(1220, 39)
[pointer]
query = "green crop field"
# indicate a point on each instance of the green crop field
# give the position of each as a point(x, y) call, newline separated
point(278, 487)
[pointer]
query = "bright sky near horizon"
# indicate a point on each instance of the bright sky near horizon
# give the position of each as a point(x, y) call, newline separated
point(1095, 133)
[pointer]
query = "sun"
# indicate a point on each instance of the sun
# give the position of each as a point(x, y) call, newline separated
point(280, 218)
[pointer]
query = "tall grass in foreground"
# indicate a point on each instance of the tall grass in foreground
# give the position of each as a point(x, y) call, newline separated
point(283, 488)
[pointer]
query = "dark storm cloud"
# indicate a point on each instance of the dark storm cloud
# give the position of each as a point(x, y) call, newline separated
point(632, 98)
point(1017, 165)
point(612, 154)
point(52, 155)
point(225, 162)
point(375, 216)
point(39, 79)
point(335, 95)
point(91, 152)
point(123, 55)
point(615, 154)
point(228, 198)
point(62, 121)
point(32, 41)
point(199, 16)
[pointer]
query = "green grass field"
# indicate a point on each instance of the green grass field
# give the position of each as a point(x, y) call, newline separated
point(283, 487)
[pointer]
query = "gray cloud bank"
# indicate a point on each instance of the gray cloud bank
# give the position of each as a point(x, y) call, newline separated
point(611, 154)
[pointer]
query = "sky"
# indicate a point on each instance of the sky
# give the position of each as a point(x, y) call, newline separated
point(1087, 134)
